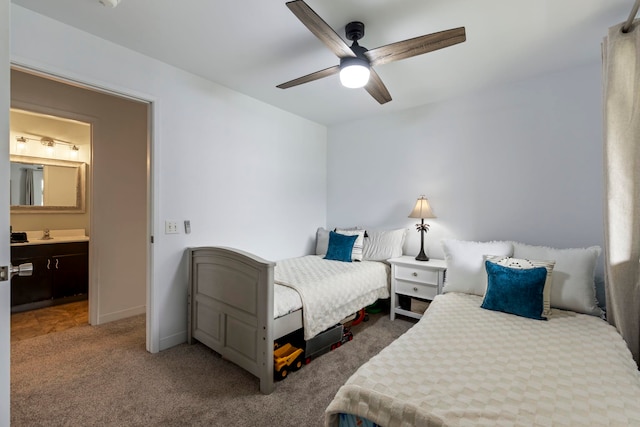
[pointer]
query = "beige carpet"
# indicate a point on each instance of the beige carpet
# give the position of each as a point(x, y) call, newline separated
point(103, 376)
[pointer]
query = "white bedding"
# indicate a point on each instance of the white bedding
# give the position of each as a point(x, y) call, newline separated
point(332, 290)
point(461, 365)
point(285, 300)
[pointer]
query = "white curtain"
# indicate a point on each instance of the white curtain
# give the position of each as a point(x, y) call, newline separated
point(621, 79)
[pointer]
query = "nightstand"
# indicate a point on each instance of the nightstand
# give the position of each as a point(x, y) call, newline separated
point(415, 279)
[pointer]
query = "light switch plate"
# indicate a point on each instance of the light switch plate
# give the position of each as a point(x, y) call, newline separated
point(171, 227)
point(187, 226)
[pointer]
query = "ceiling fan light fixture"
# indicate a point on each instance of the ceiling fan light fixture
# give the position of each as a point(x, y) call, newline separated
point(356, 60)
point(354, 72)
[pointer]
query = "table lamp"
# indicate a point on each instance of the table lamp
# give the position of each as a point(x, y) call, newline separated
point(422, 210)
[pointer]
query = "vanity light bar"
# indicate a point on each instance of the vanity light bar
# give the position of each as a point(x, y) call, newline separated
point(48, 142)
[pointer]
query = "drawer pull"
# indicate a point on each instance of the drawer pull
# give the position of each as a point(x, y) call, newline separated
point(415, 289)
point(414, 274)
point(49, 264)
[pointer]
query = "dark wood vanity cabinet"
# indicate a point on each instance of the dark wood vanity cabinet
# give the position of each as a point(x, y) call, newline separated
point(70, 274)
point(60, 274)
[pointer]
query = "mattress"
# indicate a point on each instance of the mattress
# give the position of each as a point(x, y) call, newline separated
point(462, 365)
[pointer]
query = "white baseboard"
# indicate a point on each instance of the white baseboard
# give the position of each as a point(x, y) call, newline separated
point(110, 317)
point(173, 340)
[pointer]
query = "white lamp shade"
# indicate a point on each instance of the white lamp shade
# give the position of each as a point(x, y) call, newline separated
point(422, 209)
point(354, 76)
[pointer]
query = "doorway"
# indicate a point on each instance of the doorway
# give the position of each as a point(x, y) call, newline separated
point(48, 191)
point(118, 187)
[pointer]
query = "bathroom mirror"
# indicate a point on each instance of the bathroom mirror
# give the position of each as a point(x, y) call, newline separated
point(40, 185)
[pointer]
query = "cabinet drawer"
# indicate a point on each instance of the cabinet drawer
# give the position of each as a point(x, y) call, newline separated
point(417, 275)
point(417, 290)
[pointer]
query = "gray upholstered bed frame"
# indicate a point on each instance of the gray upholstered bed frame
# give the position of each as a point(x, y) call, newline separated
point(231, 309)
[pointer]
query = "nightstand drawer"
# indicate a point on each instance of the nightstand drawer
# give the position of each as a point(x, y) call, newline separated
point(417, 290)
point(417, 274)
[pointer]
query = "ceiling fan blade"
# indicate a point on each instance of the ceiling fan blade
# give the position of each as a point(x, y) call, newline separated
point(377, 89)
point(321, 29)
point(311, 77)
point(416, 46)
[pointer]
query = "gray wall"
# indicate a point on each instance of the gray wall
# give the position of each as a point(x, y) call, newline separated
point(519, 162)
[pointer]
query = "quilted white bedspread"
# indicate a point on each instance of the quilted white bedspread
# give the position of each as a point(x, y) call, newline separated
point(332, 290)
point(461, 365)
point(285, 300)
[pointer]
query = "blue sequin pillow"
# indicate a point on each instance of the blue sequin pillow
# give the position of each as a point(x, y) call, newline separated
point(515, 291)
point(340, 247)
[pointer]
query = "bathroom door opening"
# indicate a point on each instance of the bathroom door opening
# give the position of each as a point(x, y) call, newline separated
point(118, 187)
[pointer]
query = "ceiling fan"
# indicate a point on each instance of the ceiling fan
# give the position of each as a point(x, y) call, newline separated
point(356, 62)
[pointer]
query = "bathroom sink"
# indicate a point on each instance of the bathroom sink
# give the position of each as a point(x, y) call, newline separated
point(55, 236)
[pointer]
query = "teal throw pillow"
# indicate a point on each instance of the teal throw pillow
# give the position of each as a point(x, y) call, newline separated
point(340, 247)
point(515, 291)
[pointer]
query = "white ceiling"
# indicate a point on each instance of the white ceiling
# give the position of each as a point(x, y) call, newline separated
point(253, 45)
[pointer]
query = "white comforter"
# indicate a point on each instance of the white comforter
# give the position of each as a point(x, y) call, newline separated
point(285, 300)
point(332, 290)
point(462, 365)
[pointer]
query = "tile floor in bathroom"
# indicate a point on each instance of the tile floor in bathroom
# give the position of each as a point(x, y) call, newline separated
point(33, 323)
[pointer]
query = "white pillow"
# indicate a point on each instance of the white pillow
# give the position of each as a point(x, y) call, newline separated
point(465, 264)
point(322, 241)
point(527, 264)
point(381, 245)
point(356, 252)
point(573, 284)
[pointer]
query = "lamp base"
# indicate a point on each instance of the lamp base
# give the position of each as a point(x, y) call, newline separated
point(422, 256)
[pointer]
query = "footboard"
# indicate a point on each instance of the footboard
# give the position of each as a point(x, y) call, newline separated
point(231, 308)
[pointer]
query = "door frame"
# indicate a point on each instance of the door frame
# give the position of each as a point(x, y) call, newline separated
point(153, 120)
